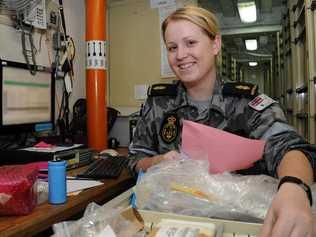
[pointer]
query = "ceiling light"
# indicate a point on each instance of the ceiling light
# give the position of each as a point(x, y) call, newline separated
point(251, 44)
point(253, 64)
point(247, 11)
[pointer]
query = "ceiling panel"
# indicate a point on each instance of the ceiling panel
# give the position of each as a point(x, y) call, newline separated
point(228, 8)
point(234, 31)
point(266, 6)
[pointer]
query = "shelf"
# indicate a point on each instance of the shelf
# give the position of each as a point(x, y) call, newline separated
point(301, 36)
point(300, 3)
point(301, 16)
point(289, 91)
point(302, 115)
point(294, 7)
point(313, 5)
point(288, 52)
point(289, 110)
point(302, 89)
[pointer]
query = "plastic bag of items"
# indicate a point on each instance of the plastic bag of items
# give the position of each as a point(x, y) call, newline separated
point(18, 190)
point(99, 221)
point(185, 187)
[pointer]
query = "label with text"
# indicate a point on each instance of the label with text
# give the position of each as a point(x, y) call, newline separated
point(96, 56)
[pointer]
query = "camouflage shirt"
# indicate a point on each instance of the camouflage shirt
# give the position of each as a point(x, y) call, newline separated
point(159, 129)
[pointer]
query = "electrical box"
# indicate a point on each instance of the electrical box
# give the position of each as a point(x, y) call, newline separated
point(37, 15)
point(52, 14)
point(44, 15)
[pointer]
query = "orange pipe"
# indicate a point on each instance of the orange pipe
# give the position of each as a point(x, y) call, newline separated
point(96, 75)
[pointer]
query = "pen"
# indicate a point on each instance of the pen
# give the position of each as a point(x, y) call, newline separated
point(77, 178)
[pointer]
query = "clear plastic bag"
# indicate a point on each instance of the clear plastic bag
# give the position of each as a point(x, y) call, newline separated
point(96, 218)
point(185, 187)
point(42, 192)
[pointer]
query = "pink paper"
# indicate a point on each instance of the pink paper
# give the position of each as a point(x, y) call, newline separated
point(43, 145)
point(225, 151)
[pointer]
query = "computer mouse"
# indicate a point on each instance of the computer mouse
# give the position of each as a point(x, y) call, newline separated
point(110, 152)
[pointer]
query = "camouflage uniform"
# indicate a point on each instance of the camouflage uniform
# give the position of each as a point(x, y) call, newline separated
point(159, 129)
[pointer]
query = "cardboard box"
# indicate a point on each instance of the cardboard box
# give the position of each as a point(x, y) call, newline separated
point(151, 219)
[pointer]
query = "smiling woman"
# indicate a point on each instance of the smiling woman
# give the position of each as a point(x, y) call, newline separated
point(193, 42)
point(191, 55)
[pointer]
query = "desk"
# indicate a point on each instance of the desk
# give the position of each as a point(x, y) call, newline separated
point(44, 215)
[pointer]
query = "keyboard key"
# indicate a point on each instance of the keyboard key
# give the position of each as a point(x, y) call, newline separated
point(109, 167)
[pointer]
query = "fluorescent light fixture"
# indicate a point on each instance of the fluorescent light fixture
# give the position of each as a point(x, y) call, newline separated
point(251, 44)
point(253, 64)
point(247, 11)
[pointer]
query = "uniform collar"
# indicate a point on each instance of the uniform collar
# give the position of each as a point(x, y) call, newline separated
point(181, 99)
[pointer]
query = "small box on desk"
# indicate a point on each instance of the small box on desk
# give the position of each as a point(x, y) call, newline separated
point(74, 156)
point(153, 218)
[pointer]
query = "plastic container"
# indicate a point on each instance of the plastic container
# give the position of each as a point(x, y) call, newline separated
point(57, 189)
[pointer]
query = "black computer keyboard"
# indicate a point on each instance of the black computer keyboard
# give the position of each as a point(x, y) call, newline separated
point(106, 167)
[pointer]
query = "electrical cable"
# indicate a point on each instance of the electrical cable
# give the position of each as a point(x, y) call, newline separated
point(63, 64)
point(29, 54)
point(61, 10)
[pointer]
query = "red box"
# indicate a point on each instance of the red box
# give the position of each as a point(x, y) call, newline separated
point(18, 190)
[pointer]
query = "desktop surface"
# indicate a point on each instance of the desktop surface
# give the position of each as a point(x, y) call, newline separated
point(44, 215)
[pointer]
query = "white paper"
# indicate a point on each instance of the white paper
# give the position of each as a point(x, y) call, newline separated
point(161, 3)
point(78, 184)
point(140, 92)
point(177, 228)
point(96, 54)
point(165, 69)
point(52, 149)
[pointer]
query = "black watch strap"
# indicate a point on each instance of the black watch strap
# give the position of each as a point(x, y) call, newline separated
point(304, 186)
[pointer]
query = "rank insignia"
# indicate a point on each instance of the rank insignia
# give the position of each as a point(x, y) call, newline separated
point(169, 129)
point(241, 87)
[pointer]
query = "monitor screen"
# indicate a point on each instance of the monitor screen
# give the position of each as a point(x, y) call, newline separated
point(27, 101)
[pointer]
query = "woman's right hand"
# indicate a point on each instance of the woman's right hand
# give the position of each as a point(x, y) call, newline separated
point(147, 162)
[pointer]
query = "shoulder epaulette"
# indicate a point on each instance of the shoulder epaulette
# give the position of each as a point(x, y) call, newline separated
point(162, 89)
point(240, 89)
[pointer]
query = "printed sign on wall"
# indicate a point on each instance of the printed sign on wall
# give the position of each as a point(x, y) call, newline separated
point(96, 55)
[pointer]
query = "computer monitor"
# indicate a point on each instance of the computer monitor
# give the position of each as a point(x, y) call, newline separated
point(27, 101)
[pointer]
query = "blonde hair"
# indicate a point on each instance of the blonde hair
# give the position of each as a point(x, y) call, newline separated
point(198, 16)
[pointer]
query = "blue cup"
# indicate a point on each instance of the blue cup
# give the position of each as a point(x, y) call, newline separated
point(57, 190)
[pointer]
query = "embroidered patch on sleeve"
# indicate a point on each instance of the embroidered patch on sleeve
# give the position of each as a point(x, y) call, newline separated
point(261, 102)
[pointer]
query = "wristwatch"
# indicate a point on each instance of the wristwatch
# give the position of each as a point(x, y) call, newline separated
point(304, 186)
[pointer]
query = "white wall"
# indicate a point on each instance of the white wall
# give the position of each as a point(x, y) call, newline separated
point(76, 24)
point(11, 49)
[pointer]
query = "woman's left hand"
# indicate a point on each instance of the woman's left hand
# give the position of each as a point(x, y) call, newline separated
point(290, 214)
